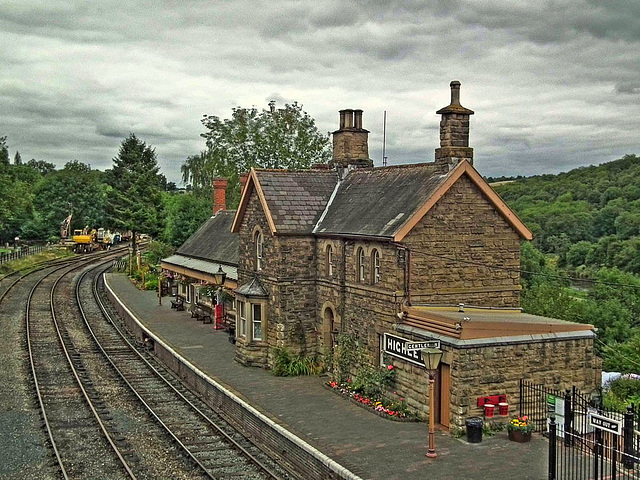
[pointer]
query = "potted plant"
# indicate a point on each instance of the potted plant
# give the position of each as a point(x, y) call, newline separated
point(520, 429)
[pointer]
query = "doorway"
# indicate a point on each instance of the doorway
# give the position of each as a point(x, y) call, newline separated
point(329, 331)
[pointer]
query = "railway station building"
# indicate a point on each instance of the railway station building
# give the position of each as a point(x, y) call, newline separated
point(191, 272)
point(398, 254)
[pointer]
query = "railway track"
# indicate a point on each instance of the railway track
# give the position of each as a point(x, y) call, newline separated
point(109, 408)
point(69, 408)
point(218, 449)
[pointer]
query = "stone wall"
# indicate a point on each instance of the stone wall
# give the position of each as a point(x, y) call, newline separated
point(497, 369)
point(288, 274)
point(363, 309)
point(452, 246)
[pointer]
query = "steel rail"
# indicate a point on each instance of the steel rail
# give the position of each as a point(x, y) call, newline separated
point(73, 369)
point(50, 263)
point(265, 469)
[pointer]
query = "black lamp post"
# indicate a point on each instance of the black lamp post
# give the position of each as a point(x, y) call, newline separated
point(431, 358)
point(219, 278)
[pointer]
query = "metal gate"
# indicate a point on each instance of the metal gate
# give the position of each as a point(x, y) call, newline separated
point(586, 441)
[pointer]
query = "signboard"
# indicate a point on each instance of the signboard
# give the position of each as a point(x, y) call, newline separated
point(421, 345)
point(555, 407)
point(397, 346)
point(605, 423)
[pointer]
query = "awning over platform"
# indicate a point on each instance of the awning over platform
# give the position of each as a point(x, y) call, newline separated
point(196, 265)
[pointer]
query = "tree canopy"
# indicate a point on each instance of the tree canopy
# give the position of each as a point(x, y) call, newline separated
point(274, 138)
point(134, 199)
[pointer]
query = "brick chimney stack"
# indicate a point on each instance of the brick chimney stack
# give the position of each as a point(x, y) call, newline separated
point(351, 142)
point(243, 181)
point(219, 194)
point(454, 131)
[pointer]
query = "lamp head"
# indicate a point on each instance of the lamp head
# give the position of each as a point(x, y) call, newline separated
point(431, 358)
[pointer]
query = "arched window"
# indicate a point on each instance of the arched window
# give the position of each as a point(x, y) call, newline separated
point(360, 265)
point(329, 265)
point(375, 266)
point(259, 241)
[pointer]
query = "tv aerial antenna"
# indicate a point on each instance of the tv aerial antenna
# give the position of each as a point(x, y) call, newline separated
point(384, 139)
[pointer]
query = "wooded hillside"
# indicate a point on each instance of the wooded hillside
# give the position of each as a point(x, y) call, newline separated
point(584, 262)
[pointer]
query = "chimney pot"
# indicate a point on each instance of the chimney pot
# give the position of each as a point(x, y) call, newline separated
point(342, 115)
point(348, 118)
point(357, 119)
point(455, 92)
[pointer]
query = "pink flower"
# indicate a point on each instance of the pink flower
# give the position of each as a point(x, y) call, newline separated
point(389, 367)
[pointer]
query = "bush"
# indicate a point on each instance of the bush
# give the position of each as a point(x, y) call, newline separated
point(287, 366)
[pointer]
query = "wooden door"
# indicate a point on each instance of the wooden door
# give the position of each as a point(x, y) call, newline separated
point(445, 393)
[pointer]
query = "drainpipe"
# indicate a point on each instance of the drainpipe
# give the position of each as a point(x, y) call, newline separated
point(408, 276)
point(343, 280)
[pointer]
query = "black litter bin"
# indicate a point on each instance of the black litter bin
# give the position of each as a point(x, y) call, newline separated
point(474, 429)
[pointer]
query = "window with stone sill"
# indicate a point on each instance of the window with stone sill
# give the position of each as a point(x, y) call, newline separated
point(375, 266)
point(360, 265)
point(329, 266)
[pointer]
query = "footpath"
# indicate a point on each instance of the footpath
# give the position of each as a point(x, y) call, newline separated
point(366, 444)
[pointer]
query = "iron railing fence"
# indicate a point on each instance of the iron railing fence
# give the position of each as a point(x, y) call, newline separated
point(599, 455)
point(21, 253)
point(577, 449)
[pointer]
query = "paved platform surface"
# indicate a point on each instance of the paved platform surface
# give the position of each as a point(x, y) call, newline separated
point(368, 445)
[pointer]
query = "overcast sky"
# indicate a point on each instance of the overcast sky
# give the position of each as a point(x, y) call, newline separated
point(554, 84)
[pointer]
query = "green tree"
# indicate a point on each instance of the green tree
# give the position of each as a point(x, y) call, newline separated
point(41, 166)
point(75, 189)
point(135, 199)
point(4, 152)
point(275, 138)
point(17, 159)
point(184, 213)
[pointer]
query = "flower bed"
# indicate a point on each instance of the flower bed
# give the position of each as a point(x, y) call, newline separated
point(391, 409)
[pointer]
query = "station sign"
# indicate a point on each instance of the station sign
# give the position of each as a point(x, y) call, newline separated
point(399, 347)
point(422, 345)
point(605, 423)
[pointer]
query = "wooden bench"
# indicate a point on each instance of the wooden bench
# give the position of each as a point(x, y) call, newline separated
point(201, 314)
point(178, 303)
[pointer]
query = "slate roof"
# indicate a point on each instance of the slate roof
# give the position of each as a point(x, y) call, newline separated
point(204, 266)
point(377, 202)
point(296, 199)
point(252, 289)
point(214, 241)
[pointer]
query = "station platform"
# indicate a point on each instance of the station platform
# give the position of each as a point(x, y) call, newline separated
point(367, 445)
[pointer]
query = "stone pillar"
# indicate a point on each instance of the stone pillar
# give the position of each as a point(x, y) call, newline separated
point(454, 131)
point(219, 194)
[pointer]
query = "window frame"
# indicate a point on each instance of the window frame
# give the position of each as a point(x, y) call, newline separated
point(329, 256)
point(241, 319)
point(375, 266)
point(259, 249)
point(258, 321)
point(360, 270)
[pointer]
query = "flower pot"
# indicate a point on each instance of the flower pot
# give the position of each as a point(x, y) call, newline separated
point(520, 437)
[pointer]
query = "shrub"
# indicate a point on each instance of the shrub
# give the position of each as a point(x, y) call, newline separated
point(285, 365)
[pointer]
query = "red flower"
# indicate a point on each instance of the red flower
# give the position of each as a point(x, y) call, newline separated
point(389, 367)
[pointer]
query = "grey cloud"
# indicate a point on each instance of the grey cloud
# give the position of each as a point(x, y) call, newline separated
point(628, 87)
